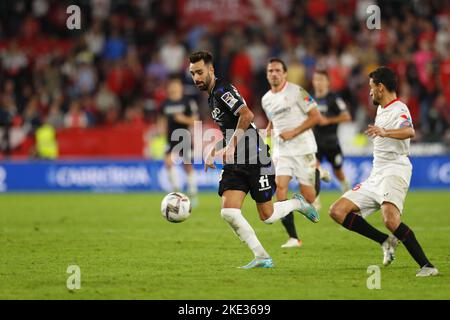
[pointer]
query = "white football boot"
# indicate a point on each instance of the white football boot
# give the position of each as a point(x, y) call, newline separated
point(388, 247)
point(427, 271)
point(293, 243)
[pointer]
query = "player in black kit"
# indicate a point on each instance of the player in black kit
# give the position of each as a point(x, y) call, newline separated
point(247, 166)
point(333, 111)
point(178, 112)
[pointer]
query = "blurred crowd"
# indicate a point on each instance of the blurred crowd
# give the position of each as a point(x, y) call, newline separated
point(114, 69)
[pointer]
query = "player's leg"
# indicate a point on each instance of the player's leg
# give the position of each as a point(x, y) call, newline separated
point(262, 187)
point(344, 211)
point(323, 174)
point(308, 192)
point(319, 155)
point(307, 175)
point(191, 183)
point(336, 159)
point(171, 170)
point(288, 221)
point(392, 221)
point(231, 212)
point(233, 188)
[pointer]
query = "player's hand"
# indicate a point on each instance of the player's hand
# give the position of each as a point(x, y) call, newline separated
point(209, 164)
point(209, 161)
point(288, 135)
point(374, 131)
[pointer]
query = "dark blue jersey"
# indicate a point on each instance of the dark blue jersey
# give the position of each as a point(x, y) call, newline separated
point(170, 108)
point(329, 106)
point(224, 103)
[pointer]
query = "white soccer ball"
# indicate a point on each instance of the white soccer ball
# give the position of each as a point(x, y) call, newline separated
point(176, 207)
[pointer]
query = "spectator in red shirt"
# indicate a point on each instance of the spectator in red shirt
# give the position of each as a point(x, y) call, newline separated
point(75, 117)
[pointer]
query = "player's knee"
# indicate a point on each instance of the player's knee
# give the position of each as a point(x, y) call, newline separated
point(391, 216)
point(391, 221)
point(265, 213)
point(337, 212)
point(228, 214)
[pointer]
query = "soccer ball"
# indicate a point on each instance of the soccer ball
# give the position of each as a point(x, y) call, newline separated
point(176, 207)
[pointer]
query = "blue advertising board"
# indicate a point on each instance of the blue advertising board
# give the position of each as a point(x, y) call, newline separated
point(139, 175)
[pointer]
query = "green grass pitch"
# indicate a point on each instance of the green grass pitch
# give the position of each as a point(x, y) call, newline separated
point(126, 250)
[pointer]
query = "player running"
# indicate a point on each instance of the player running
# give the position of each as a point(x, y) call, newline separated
point(178, 112)
point(333, 111)
point(388, 182)
point(247, 166)
point(292, 112)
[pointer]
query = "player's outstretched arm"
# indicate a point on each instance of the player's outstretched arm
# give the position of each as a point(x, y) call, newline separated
point(343, 117)
point(400, 134)
point(269, 128)
point(311, 121)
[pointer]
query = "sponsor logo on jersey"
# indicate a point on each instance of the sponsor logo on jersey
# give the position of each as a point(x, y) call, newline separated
point(275, 113)
point(176, 108)
point(228, 98)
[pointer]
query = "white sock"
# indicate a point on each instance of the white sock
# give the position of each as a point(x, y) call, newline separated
point(173, 178)
point(192, 183)
point(345, 186)
point(316, 204)
point(244, 231)
point(282, 209)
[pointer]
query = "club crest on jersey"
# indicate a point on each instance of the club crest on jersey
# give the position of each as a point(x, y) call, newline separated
point(228, 98)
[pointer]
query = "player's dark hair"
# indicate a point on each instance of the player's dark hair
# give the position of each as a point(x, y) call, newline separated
point(386, 76)
point(197, 56)
point(175, 77)
point(323, 72)
point(280, 61)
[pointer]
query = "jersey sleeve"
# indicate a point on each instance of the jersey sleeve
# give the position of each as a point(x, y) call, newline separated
point(306, 101)
point(403, 119)
point(230, 99)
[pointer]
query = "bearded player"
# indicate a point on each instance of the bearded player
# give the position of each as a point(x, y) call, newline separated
point(388, 183)
point(247, 166)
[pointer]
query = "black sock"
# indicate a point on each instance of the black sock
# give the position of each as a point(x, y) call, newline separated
point(288, 223)
point(357, 224)
point(317, 182)
point(407, 237)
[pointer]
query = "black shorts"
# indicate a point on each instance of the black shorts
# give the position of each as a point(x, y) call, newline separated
point(260, 181)
point(333, 155)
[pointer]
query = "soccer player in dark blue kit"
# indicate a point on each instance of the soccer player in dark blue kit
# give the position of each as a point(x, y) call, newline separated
point(178, 112)
point(247, 165)
point(333, 111)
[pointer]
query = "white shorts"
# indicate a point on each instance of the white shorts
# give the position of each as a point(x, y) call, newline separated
point(370, 194)
point(302, 167)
